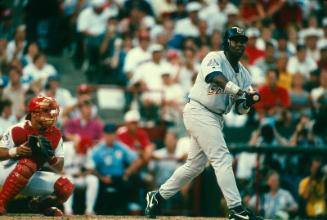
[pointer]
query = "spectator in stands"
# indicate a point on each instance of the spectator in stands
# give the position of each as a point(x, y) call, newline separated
point(75, 168)
point(283, 46)
point(289, 14)
point(215, 41)
point(85, 131)
point(7, 119)
point(232, 18)
point(203, 38)
point(84, 93)
point(312, 190)
point(249, 12)
point(251, 49)
point(163, 8)
point(108, 160)
point(285, 78)
point(274, 98)
point(269, 60)
point(188, 27)
point(303, 135)
point(15, 92)
point(173, 99)
point(147, 80)
point(311, 36)
point(38, 71)
point(300, 99)
point(32, 51)
point(15, 47)
point(165, 161)
point(277, 202)
point(258, 77)
point(301, 62)
point(138, 54)
point(91, 24)
point(135, 137)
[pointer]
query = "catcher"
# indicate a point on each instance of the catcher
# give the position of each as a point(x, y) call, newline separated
point(24, 149)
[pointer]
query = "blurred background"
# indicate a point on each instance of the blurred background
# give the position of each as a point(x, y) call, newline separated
point(121, 71)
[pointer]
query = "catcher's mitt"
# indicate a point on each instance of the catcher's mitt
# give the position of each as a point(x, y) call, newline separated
point(41, 148)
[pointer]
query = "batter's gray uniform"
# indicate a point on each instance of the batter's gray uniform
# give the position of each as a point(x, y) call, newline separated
point(204, 121)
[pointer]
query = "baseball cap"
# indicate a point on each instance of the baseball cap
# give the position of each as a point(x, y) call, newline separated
point(193, 6)
point(98, 3)
point(155, 48)
point(132, 116)
point(252, 32)
point(84, 88)
point(109, 128)
point(171, 54)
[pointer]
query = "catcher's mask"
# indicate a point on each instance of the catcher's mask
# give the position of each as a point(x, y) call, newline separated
point(44, 109)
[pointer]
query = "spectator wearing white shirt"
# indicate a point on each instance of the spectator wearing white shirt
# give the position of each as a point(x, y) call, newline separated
point(311, 37)
point(277, 202)
point(138, 55)
point(147, 79)
point(301, 62)
point(173, 99)
point(15, 92)
point(32, 51)
point(188, 27)
point(16, 46)
point(91, 24)
point(7, 119)
point(38, 71)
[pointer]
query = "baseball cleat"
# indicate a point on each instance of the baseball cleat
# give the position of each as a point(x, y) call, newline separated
point(152, 205)
point(243, 215)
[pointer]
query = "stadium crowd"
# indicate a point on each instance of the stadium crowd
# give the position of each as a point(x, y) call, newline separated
point(151, 50)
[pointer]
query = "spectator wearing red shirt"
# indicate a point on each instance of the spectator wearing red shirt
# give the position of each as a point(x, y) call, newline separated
point(135, 137)
point(85, 131)
point(251, 50)
point(274, 98)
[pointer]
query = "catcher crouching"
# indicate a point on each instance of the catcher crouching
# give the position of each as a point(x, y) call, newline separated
point(24, 149)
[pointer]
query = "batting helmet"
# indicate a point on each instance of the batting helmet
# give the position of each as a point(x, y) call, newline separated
point(233, 32)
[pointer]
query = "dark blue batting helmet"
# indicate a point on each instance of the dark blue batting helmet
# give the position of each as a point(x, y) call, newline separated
point(233, 32)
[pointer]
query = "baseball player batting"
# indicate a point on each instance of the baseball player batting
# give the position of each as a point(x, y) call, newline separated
point(24, 149)
point(221, 83)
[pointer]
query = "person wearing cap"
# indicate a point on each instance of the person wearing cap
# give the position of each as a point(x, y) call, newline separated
point(85, 131)
point(173, 99)
point(311, 37)
point(137, 55)
point(187, 27)
point(301, 62)
point(251, 49)
point(147, 81)
point(16, 46)
point(108, 161)
point(135, 137)
point(268, 61)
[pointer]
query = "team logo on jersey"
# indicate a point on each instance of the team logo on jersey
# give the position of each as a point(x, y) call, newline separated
point(212, 63)
point(215, 90)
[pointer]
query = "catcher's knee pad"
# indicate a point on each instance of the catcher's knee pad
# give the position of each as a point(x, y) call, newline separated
point(26, 167)
point(63, 188)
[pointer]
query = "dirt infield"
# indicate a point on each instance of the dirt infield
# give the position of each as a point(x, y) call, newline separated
point(79, 217)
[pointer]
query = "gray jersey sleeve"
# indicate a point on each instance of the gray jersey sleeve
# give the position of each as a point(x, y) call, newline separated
point(211, 63)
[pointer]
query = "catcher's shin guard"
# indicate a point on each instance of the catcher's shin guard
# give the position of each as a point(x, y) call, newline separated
point(16, 181)
point(63, 188)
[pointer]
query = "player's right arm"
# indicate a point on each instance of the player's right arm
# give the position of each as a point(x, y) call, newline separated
point(9, 150)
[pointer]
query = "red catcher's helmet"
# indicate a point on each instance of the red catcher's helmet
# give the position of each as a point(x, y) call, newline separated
point(45, 109)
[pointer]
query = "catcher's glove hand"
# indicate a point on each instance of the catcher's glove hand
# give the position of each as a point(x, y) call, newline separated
point(41, 148)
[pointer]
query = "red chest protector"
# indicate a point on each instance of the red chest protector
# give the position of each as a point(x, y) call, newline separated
point(20, 134)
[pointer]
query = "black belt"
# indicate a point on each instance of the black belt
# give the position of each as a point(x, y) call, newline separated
point(220, 114)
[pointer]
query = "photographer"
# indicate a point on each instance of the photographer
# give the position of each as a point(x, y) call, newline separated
point(312, 190)
point(276, 202)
